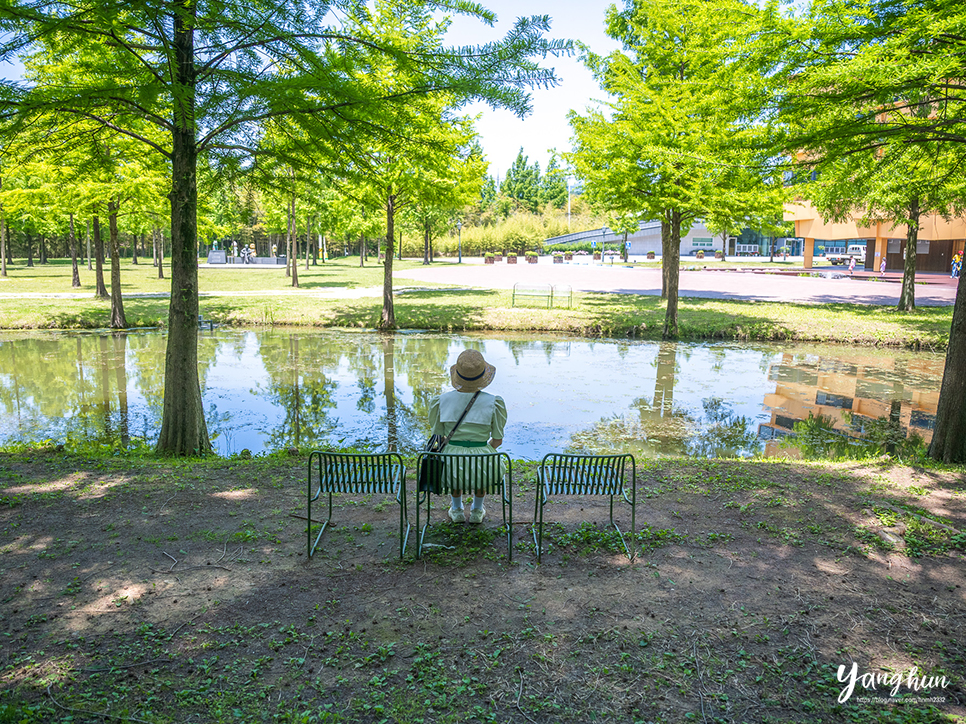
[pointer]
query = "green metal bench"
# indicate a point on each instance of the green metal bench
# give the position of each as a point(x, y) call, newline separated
point(359, 474)
point(544, 291)
point(562, 292)
point(490, 472)
point(586, 475)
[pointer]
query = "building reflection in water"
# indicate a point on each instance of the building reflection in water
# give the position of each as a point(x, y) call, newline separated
point(851, 390)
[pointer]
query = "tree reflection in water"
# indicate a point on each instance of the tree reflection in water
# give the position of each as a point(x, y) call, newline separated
point(271, 390)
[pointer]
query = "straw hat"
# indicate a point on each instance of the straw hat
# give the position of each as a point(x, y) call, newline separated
point(471, 372)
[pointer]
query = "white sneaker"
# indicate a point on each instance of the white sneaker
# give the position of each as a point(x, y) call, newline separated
point(456, 515)
point(477, 515)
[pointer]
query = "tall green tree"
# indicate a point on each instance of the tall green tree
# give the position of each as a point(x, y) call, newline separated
point(873, 76)
point(682, 99)
point(553, 185)
point(522, 183)
point(898, 184)
point(210, 74)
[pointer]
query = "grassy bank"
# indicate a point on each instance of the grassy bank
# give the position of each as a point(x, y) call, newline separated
point(263, 298)
point(155, 591)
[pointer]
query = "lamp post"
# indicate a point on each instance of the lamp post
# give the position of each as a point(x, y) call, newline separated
point(459, 241)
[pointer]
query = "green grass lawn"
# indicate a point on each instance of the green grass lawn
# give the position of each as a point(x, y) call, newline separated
point(449, 309)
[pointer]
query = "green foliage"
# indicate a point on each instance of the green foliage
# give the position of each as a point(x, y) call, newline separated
point(818, 438)
point(675, 144)
point(522, 184)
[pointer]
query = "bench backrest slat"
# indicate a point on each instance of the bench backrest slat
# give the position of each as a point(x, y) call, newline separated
point(583, 474)
point(352, 473)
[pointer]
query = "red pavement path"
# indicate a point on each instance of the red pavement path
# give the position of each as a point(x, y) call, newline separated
point(938, 289)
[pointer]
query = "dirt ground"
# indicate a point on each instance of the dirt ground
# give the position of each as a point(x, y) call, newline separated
point(149, 591)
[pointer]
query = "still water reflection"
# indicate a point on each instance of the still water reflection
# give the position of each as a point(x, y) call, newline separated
point(266, 390)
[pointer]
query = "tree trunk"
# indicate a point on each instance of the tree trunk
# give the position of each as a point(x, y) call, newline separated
point(388, 321)
point(671, 263)
point(100, 291)
point(183, 427)
point(907, 297)
point(288, 243)
point(362, 249)
point(293, 246)
point(43, 249)
point(75, 275)
point(949, 433)
point(160, 237)
point(118, 320)
point(89, 265)
point(426, 244)
point(30, 248)
point(3, 239)
point(134, 249)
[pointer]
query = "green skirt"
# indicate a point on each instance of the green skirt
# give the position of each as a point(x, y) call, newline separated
point(465, 474)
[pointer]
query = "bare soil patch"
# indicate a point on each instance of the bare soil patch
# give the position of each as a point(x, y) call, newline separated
point(142, 590)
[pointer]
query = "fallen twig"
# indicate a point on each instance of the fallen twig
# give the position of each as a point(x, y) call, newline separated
point(94, 713)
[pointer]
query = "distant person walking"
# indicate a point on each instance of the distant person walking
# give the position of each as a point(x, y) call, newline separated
point(851, 265)
point(882, 266)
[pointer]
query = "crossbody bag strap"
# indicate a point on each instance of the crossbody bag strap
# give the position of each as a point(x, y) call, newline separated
point(465, 410)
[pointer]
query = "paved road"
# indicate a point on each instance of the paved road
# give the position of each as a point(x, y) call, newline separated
point(932, 289)
point(939, 289)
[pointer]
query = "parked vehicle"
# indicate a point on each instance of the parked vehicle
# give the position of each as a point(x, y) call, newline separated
point(855, 251)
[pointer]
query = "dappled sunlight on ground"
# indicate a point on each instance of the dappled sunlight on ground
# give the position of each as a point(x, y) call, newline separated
point(246, 494)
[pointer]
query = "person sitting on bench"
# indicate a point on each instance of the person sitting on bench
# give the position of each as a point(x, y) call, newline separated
point(481, 430)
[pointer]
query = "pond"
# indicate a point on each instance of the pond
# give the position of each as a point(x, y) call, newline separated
point(267, 390)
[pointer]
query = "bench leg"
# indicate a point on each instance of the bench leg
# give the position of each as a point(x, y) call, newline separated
point(313, 546)
point(538, 522)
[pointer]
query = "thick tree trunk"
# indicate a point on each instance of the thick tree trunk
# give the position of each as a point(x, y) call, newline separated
point(100, 290)
point(29, 240)
point(75, 274)
point(949, 434)
point(388, 320)
point(907, 297)
point(183, 427)
point(426, 244)
point(43, 249)
point(671, 253)
point(118, 320)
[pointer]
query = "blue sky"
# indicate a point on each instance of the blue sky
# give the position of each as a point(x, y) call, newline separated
point(546, 127)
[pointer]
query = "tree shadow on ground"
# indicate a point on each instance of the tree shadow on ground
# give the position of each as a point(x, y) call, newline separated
point(754, 582)
point(642, 316)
